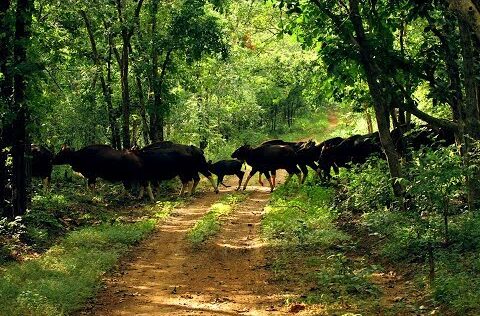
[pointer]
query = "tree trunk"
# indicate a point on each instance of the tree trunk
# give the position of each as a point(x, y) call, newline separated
point(143, 110)
point(380, 105)
point(6, 91)
point(21, 147)
point(112, 117)
point(127, 32)
point(125, 91)
point(105, 88)
point(470, 112)
point(469, 12)
point(158, 111)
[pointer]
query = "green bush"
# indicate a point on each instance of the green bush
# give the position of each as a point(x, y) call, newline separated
point(366, 187)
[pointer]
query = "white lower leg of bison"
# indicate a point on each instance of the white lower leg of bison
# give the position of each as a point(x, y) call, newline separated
point(260, 179)
point(239, 184)
point(272, 186)
point(142, 190)
point(246, 182)
point(215, 188)
point(274, 180)
point(150, 193)
point(183, 188)
point(191, 187)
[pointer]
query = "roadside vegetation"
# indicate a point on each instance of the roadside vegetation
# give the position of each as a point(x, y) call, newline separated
point(69, 273)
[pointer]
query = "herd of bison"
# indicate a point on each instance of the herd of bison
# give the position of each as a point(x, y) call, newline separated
point(166, 160)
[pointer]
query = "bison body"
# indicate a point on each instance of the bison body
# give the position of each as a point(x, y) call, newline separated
point(223, 168)
point(264, 159)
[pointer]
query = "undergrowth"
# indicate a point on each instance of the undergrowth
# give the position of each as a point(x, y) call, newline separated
point(60, 281)
point(312, 251)
point(436, 232)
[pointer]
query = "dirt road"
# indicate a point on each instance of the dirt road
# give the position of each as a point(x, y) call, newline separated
point(225, 276)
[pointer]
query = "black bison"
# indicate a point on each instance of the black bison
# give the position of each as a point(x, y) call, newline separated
point(103, 161)
point(166, 160)
point(324, 165)
point(264, 159)
point(227, 167)
point(307, 154)
point(42, 160)
point(428, 136)
point(354, 149)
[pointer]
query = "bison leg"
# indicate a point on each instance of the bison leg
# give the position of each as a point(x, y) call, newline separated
point(303, 175)
point(191, 186)
point(274, 178)
point(250, 175)
point(291, 171)
point(220, 180)
point(267, 175)
point(210, 178)
point(150, 193)
point(184, 184)
point(260, 179)
point(240, 178)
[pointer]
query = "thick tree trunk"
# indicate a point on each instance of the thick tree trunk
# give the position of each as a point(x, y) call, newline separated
point(6, 91)
point(158, 111)
point(380, 105)
point(469, 12)
point(143, 109)
point(470, 111)
point(127, 32)
point(471, 115)
point(21, 147)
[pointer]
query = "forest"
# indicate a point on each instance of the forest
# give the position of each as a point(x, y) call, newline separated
point(360, 118)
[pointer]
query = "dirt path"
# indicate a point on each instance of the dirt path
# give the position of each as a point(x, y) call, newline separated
point(226, 276)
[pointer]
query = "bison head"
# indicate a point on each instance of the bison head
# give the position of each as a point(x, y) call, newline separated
point(242, 152)
point(64, 156)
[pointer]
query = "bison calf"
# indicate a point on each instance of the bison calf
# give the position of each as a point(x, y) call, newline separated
point(223, 168)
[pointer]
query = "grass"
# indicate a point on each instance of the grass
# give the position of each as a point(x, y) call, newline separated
point(61, 280)
point(301, 216)
point(72, 238)
point(210, 223)
point(313, 255)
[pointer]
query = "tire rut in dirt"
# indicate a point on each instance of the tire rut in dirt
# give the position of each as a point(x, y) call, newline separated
point(225, 276)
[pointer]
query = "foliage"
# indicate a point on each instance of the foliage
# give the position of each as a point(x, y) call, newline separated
point(300, 216)
point(61, 280)
point(435, 226)
point(366, 187)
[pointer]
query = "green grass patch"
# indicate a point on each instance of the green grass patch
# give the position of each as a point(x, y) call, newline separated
point(210, 223)
point(61, 280)
point(301, 216)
